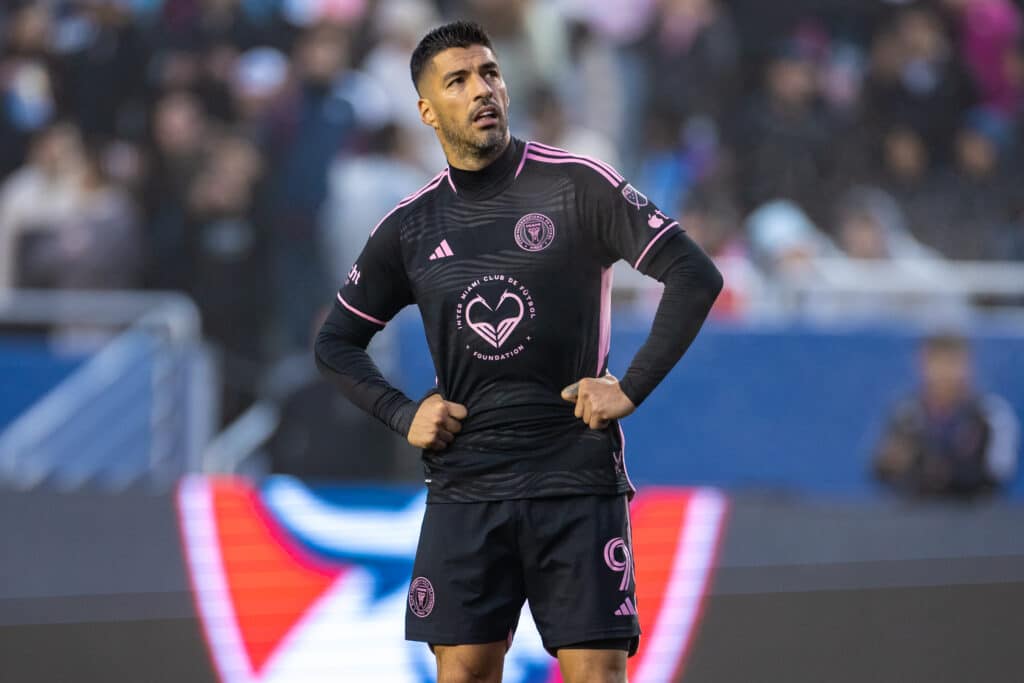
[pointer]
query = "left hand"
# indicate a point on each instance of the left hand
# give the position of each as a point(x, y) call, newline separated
point(598, 400)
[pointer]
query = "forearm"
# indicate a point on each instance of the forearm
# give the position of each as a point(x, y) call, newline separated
point(691, 285)
point(341, 356)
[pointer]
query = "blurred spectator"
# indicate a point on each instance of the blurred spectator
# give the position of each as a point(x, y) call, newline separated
point(227, 254)
point(312, 121)
point(973, 202)
point(712, 221)
point(322, 435)
point(692, 55)
point(362, 189)
point(551, 126)
point(948, 439)
point(989, 31)
point(531, 40)
point(179, 133)
point(784, 241)
point(97, 245)
point(871, 225)
point(40, 196)
point(28, 86)
point(905, 174)
point(784, 135)
point(916, 82)
point(398, 27)
point(102, 59)
point(257, 77)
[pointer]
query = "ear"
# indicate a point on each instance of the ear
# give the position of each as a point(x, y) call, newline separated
point(427, 112)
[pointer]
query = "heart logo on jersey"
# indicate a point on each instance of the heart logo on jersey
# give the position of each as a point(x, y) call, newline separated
point(496, 334)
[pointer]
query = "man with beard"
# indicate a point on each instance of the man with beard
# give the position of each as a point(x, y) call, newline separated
point(508, 253)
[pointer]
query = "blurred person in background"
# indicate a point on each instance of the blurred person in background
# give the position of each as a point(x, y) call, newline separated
point(102, 62)
point(364, 186)
point(973, 201)
point(784, 241)
point(397, 27)
point(551, 125)
point(692, 54)
point(532, 38)
point(312, 121)
point(257, 78)
point(314, 418)
point(916, 81)
point(870, 224)
point(713, 222)
point(784, 135)
point(948, 439)
point(28, 81)
point(96, 245)
point(904, 171)
point(989, 31)
point(179, 133)
point(41, 196)
point(227, 252)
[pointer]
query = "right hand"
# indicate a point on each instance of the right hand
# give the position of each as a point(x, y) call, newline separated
point(436, 423)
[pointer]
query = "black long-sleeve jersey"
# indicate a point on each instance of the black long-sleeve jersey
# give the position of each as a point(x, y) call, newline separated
point(511, 270)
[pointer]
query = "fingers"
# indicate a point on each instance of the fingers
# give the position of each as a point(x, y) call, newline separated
point(571, 392)
point(450, 424)
point(456, 410)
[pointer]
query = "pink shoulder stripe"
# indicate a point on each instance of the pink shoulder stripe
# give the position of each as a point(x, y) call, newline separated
point(575, 160)
point(555, 151)
point(522, 162)
point(362, 315)
point(651, 243)
point(432, 185)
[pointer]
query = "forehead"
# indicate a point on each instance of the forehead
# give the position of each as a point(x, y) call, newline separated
point(462, 58)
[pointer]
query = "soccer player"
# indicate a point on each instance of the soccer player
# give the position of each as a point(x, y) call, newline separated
point(507, 252)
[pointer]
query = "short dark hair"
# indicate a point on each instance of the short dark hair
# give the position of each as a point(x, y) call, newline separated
point(454, 34)
point(945, 342)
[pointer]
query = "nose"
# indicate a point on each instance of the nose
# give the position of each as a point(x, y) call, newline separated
point(481, 88)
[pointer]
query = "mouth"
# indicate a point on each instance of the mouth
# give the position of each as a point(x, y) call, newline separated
point(486, 116)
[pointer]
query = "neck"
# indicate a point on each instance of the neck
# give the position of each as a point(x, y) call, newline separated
point(466, 160)
point(490, 179)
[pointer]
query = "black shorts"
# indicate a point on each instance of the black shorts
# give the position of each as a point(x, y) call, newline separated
point(571, 557)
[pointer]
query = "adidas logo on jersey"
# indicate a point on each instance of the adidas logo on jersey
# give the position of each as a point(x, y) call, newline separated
point(626, 609)
point(442, 251)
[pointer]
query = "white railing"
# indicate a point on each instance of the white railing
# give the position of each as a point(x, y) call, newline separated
point(138, 410)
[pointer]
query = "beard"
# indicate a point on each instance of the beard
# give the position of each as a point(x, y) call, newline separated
point(480, 144)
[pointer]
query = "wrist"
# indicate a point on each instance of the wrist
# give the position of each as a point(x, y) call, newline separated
point(628, 387)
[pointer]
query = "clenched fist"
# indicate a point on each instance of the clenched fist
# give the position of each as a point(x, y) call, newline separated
point(598, 400)
point(436, 423)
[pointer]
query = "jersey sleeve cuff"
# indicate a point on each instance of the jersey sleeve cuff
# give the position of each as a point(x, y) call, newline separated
point(632, 392)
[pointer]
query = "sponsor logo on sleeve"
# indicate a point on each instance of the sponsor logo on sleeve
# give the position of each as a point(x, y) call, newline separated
point(635, 196)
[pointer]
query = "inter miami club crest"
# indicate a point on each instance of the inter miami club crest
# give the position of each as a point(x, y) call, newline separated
point(421, 597)
point(534, 232)
point(634, 196)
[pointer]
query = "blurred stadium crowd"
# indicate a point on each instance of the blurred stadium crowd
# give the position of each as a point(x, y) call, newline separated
point(240, 150)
